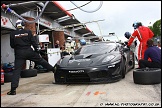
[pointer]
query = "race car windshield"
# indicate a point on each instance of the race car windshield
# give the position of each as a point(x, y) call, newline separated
point(95, 49)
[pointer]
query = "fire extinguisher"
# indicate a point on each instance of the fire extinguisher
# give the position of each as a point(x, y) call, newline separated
point(2, 76)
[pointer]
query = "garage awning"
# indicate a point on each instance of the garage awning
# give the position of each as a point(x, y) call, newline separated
point(53, 10)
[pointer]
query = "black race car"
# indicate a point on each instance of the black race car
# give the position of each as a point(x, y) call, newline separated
point(98, 62)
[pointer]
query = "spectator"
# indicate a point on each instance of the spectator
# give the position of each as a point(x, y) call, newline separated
point(57, 44)
point(159, 45)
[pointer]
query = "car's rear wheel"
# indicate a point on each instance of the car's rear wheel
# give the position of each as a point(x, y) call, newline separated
point(147, 76)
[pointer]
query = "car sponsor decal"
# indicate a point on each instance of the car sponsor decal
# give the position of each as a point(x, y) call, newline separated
point(79, 60)
point(76, 71)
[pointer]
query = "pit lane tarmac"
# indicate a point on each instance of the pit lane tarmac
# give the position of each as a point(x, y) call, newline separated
point(40, 91)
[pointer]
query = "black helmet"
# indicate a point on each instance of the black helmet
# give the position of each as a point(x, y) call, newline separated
point(20, 24)
point(127, 35)
point(136, 25)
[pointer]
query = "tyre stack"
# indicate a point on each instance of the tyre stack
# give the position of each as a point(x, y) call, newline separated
point(28, 73)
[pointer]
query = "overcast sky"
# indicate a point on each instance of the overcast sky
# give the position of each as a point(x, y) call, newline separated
point(118, 16)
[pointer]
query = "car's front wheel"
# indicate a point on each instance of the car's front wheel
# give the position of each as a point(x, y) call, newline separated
point(123, 68)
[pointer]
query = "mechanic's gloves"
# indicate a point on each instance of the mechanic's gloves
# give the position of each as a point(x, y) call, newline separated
point(128, 46)
point(126, 43)
point(135, 43)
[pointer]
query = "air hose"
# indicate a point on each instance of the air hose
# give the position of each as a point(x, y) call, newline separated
point(5, 7)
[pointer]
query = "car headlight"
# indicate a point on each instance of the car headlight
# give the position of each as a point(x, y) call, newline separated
point(108, 58)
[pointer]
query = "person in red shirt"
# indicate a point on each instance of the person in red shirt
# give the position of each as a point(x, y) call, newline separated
point(143, 34)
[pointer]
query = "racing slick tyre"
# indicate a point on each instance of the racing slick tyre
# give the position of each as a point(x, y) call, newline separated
point(8, 76)
point(147, 76)
point(28, 73)
point(123, 70)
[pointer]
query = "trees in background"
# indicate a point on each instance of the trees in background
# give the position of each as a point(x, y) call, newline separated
point(156, 28)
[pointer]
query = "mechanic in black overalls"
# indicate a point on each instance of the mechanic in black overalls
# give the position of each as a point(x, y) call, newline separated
point(21, 41)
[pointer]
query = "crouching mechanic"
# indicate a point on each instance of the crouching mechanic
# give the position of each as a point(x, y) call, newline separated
point(21, 41)
point(152, 52)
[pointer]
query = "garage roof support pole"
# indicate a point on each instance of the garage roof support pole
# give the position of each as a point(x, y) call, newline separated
point(17, 4)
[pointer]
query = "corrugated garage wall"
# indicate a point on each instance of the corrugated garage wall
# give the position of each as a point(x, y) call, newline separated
point(7, 53)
